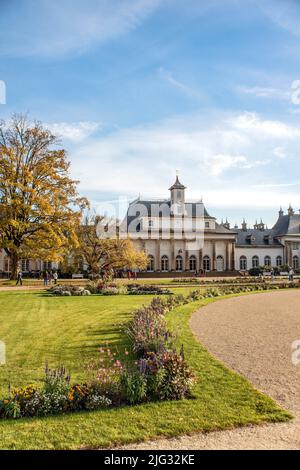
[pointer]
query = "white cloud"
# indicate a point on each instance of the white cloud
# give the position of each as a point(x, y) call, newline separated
point(75, 132)
point(182, 87)
point(266, 92)
point(284, 13)
point(252, 123)
point(217, 154)
point(280, 152)
point(219, 163)
point(61, 27)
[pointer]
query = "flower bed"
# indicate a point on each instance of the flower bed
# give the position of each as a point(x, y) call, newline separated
point(68, 290)
point(57, 396)
point(101, 288)
point(138, 289)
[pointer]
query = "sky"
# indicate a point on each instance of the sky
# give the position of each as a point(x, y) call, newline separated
point(138, 89)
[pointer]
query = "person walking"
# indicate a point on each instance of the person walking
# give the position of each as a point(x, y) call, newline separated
point(273, 275)
point(46, 278)
point(291, 275)
point(19, 278)
point(55, 277)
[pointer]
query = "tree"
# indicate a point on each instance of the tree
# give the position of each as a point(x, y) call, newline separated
point(103, 253)
point(40, 208)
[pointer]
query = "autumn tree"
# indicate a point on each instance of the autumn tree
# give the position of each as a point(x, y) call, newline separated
point(103, 251)
point(40, 208)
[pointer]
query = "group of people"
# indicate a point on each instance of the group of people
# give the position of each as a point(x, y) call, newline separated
point(47, 276)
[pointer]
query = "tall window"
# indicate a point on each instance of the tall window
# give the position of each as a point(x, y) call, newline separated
point(206, 263)
point(25, 265)
point(267, 261)
point(220, 263)
point(6, 264)
point(295, 262)
point(193, 263)
point(179, 263)
point(150, 266)
point(279, 261)
point(47, 265)
point(165, 263)
point(243, 263)
point(255, 262)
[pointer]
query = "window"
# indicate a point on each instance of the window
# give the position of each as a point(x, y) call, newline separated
point(220, 263)
point(165, 263)
point(150, 266)
point(267, 261)
point(206, 263)
point(255, 262)
point(193, 263)
point(6, 264)
point(279, 261)
point(47, 265)
point(25, 265)
point(179, 263)
point(206, 224)
point(243, 263)
point(295, 262)
point(295, 246)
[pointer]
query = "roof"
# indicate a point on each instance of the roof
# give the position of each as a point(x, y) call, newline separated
point(287, 225)
point(177, 185)
point(256, 237)
point(156, 208)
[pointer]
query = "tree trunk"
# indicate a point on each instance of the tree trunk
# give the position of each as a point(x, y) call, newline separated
point(14, 263)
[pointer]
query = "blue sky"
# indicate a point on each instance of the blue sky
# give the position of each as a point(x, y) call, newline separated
point(140, 88)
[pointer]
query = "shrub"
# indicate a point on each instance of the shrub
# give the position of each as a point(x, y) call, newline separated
point(148, 330)
point(138, 289)
point(168, 376)
point(133, 385)
point(68, 290)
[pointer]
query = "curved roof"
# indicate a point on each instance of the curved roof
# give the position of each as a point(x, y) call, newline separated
point(177, 185)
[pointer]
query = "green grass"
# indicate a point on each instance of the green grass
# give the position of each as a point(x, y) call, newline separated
point(36, 328)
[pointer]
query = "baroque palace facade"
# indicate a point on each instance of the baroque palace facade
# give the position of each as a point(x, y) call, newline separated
point(180, 236)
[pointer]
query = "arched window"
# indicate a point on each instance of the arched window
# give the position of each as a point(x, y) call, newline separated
point(255, 261)
point(165, 263)
point(193, 263)
point(295, 262)
point(150, 266)
point(179, 263)
point(267, 261)
point(279, 261)
point(243, 263)
point(25, 265)
point(220, 263)
point(206, 263)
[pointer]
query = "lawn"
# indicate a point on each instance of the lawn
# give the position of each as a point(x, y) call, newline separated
point(69, 330)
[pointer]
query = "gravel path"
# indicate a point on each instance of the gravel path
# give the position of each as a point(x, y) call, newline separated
point(253, 336)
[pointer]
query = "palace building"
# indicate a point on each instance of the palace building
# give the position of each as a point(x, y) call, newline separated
point(180, 236)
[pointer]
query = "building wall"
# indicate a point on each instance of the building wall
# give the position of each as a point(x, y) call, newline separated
point(261, 252)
